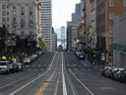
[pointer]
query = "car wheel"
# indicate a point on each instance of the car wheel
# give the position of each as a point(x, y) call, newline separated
point(8, 71)
point(20, 67)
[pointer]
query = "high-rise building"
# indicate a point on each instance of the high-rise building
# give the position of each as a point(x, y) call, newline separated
point(81, 28)
point(45, 21)
point(63, 36)
point(54, 40)
point(74, 24)
point(69, 36)
point(76, 17)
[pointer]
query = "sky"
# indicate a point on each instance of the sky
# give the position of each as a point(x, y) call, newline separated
point(61, 11)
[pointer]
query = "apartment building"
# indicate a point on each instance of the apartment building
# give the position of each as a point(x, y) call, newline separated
point(45, 21)
point(104, 29)
point(19, 17)
point(119, 38)
point(90, 21)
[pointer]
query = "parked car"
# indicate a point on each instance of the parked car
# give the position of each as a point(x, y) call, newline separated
point(18, 66)
point(5, 66)
point(80, 54)
point(33, 57)
point(115, 73)
point(27, 60)
point(107, 71)
point(9, 66)
point(39, 52)
point(120, 75)
point(77, 53)
point(105, 68)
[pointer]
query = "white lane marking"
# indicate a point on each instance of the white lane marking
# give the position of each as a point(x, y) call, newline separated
point(50, 78)
point(57, 84)
point(63, 78)
point(27, 84)
point(71, 85)
point(8, 84)
point(23, 78)
point(91, 93)
point(58, 76)
point(52, 62)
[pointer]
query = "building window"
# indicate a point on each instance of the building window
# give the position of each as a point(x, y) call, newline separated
point(4, 13)
point(30, 11)
point(3, 6)
point(22, 11)
point(22, 33)
point(7, 18)
point(7, 6)
point(14, 23)
point(14, 20)
point(14, 10)
point(30, 23)
point(31, 32)
point(3, 19)
point(7, 13)
point(22, 23)
point(8, 25)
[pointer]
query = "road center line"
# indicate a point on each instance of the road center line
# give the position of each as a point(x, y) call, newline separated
point(91, 93)
point(57, 84)
point(45, 85)
point(41, 75)
point(52, 62)
point(63, 78)
point(71, 85)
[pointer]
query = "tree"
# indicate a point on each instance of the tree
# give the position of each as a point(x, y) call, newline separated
point(3, 38)
point(41, 43)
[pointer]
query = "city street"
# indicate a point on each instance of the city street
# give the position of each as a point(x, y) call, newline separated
point(59, 74)
point(46, 49)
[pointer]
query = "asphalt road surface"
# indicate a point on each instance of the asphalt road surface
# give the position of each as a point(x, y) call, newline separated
point(59, 74)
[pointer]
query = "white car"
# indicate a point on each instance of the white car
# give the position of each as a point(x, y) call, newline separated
point(8, 66)
point(19, 66)
point(33, 57)
point(39, 52)
point(27, 60)
point(5, 66)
